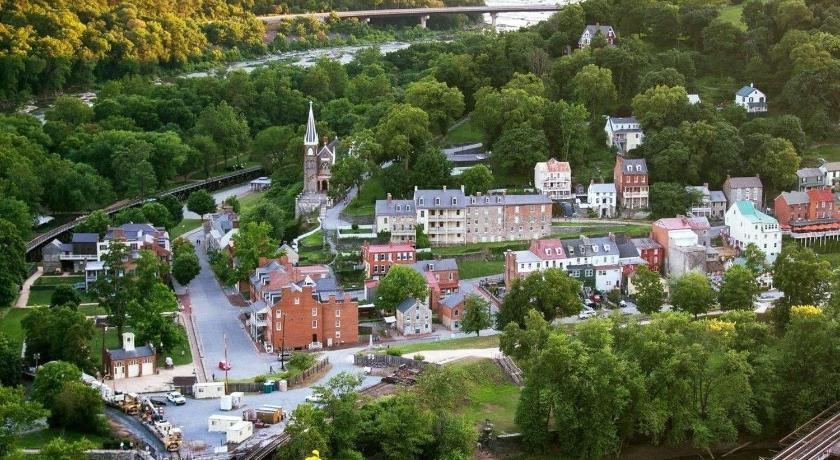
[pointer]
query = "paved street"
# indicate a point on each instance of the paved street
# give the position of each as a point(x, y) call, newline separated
point(220, 196)
point(332, 218)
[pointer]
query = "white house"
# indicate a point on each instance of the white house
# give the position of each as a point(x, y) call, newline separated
point(414, 317)
point(749, 225)
point(751, 99)
point(831, 173)
point(693, 99)
point(591, 30)
point(601, 199)
point(554, 179)
point(624, 133)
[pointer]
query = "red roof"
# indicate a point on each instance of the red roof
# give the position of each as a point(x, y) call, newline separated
point(673, 223)
point(390, 247)
point(548, 249)
point(557, 166)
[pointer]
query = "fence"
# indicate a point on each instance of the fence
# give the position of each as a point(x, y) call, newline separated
point(387, 361)
point(250, 387)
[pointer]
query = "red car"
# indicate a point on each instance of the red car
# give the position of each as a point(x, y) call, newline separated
point(224, 365)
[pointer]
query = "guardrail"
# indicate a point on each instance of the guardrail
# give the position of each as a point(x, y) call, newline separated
point(114, 208)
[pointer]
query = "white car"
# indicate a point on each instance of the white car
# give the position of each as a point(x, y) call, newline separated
point(313, 398)
point(586, 313)
point(176, 398)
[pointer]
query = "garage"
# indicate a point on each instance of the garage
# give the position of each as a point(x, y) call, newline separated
point(133, 370)
point(148, 368)
point(119, 372)
point(130, 361)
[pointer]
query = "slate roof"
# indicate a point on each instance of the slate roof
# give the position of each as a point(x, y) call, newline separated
point(645, 243)
point(325, 287)
point(626, 249)
point(593, 29)
point(453, 300)
point(85, 237)
point(602, 188)
point(138, 352)
point(633, 162)
point(795, 197)
point(428, 199)
point(439, 265)
point(407, 304)
point(746, 90)
point(717, 196)
point(389, 208)
point(744, 182)
point(809, 172)
point(606, 247)
point(831, 166)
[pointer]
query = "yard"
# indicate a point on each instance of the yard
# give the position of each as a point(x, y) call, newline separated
point(59, 280)
point(484, 341)
point(249, 200)
point(480, 268)
point(42, 291)
point(631, 230)
point(499, 246)
point(180, 354)
point(370, 191)
point(186, 225)
point(465, 133)
point(487, 394)
point(10, 319)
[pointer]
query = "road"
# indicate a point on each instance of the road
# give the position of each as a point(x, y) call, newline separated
point(332, 219)
point(220, 197)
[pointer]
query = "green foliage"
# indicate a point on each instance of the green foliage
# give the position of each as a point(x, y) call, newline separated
point(201, 203)
point(754, 259)
point(477, 179)
point(738, 289)
point(10, 363)
point(252, 242)
point(551, 292)
point(668, 199)
point(400, 283)
point(50, 380)
point(517, 149)
point(692, 293)
point(233, 202)
point(65, 295)
point(418, 357)
point(185, 266)
point(267, 212)
point(476, 314)
point(302, 361)
point(803, 278)
point(58, 334)
point(649, 290)
point(12, 263)
point(17, 415)
point(78, 407)
point(157, 215)
point(96, 222)
point(442, 103)
point(59, 449)
point(393, 352)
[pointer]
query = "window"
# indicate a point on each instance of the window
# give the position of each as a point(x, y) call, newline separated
point(399, 208)
point(278, 314)
point(408, 207)
point(338, 313)
point(338, 323)
point(314, 324)
point(314, 312)
point(297, 300)
point(278, 326)
point(420, 201)
point(437, 200)
point(588, 272)
point(454, 201)
point(338, 334)
point(450, 276)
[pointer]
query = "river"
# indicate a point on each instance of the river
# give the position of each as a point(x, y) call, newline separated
point(344, 54)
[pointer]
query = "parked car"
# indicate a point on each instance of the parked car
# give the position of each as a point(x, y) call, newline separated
point(176, 398)
point(586, 313)
point(158, 401)
point(224, 365)
point(313, 398)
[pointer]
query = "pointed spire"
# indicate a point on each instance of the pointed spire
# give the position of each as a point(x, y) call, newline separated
point(311, 137)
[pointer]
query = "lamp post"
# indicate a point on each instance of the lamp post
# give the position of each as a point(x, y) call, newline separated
point(37, 356)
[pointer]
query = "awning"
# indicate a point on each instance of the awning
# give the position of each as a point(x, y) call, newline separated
point(390, 319)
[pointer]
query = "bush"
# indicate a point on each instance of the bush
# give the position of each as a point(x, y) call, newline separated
point(260, 379)
point(419, 357)
point(302, 361)
point(393, 352)
point(614, 296)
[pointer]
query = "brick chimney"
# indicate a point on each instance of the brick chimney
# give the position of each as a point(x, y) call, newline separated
point(389, 197)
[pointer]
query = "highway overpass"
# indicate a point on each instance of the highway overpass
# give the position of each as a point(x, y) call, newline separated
point(421, 13)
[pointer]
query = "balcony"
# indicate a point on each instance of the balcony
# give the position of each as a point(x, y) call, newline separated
point(77, 257)
point(446, 230)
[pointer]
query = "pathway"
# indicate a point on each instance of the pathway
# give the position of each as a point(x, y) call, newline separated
point(23, 298)
point(332, 219)
point(220, 197)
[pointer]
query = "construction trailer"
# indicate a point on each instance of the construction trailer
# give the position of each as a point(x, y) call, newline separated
point(208, 390)
point(239, 432)
point(237, 399)
point(220, 423)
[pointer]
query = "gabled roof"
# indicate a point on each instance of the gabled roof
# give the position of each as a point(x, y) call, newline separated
point(594, 28)
point(407, 304)
point(792, 198)
point(395, 208)
point(424, 266)
point(138, 352)
point(548, 249)
point(747, 209)
point(453, 300)
point(717, 196)
point(602, 188)
point(637, 165)
point(606, 247)
point(744, 182)
point(809, 172)
point(426, 199)
point(645, 243)
point(746, 90)
point(831, 166)
point(85, 238)
point(553, 165)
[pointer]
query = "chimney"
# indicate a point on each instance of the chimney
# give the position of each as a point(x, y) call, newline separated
point(128, 341)
point(444, 188)
point(462, 188)
point(326, 140)
point(477, 193)
point(751, 85)
point(389, 197)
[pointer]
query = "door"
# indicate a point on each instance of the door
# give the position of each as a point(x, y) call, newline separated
point(314, 338)
point(147, 369)
point(133, 370)
point(119, 372)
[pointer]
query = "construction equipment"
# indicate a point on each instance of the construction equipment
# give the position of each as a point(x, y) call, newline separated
point(129, 403)
point(173, 440)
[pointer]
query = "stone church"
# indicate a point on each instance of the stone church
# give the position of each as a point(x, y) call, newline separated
point(317, 166)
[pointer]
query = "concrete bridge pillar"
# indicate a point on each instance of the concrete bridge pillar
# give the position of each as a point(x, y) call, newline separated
point(493, 17)
point(423, 20)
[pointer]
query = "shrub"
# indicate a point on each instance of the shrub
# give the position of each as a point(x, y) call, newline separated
point(614, 296)
point(393, 352)
point(302, 361)
point(260, 379)
point(419, 357)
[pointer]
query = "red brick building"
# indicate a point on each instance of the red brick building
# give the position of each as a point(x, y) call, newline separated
point(378, 258)
point(651, 252)
point(442, 278)
point(272, 275)
point(631, 182)
point(452, 311)
point(320, 313)
point(813, 211)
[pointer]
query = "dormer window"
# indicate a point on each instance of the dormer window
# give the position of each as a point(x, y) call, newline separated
point(430, 267)
point(571, 250)
point(487, 199)
point(498, 199)
point(607, 247)
point(399, 208)
point(421, 200)
point(629, 168)
point(437, 200)
point(472, 200)
point(639, 168)
point(454, 201)
point(408, 207)
point(595, 248)
point(548, 251)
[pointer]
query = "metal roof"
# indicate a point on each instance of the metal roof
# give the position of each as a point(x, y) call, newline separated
point(407, 304)
point(394, 208)
point(138, 352)
point(746, 90)
point(602, 188)
point(795, 197)
point(744, 182)
point(440, 199)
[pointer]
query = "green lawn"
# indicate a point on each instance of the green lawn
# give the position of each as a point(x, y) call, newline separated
point(363, 205)
point(488, 341)
point(38, 439)
point(732, 14)
point(828, 151)
point(92, 310)
point(487, 394)
point(632, 231)
point(180, 355)
point(246, 202)
point(480, 268)
point(466, 133)
point(59, 280)
point(10, 319)
point(39, 297)
point(500, 246)
point(185, 226)
point(314, 240)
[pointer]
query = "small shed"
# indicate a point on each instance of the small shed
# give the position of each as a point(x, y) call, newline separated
point(208, 390)
point(129, 361)
point(260, 184)
point(221, 423)
point(239, 432)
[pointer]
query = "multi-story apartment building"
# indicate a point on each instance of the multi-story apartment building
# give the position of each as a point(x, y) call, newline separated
point(378, 258)
point(813, 213)
point(744, 188)
point(448, 217)
point(397, 217)
point(594, 261)
point(601, 198)
point(749, 225)
point(631, 182)
point(625, 134)
point(554, 179)
point(442, 277)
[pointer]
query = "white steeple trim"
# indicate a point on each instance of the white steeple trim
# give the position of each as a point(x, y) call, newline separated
point(311, 137)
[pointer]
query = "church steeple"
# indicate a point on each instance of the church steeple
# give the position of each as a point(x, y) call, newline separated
point(311, 137)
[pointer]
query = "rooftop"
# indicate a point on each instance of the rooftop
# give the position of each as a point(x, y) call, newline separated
point(795, 198)
point(137, 352)
point(435, 265)
point(744, 182)
point(602, 188)
point(645, 243)
point(440, 199)
point(453, 300)
point(85, 238)
point(395, 208)
point(553, 165)
point(389, 247)
point(747, 209)
point(809, 172)
point(745, 90)
point(635, 165)
point(407, 304)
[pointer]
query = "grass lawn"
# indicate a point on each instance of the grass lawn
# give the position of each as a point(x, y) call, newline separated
point(38, 439)
point(484, 341)
point(92, 310)
point(475, 247)
point(732, 14)
point(185, 226)
point(246, 202)
point(59, 280)
point(828, 151)
point(181, 354)
point(314, 240)
point(480, 268)
point(466, 133)
point(40, 297)
point(10, 319)
point(632, 231)
point(488, 394)
point(363, 205)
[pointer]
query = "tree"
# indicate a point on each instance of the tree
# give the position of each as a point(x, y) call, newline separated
point(201, 203)
point(65, 295)
point(432, 169)
point(252, 242)
point(175, 208)
point(661, 106)
point(77, 407)
point(149, 321)
point(499, 111)
point(157, 215)
point(10, 362)
point(802, 276)
point(692, 293)
point(17, 213)
point(12, 262)
point(402, 132)
point(776, 162)
point(348, 171)
point(59, 449)
point(233, 202)
point(442, 103)
point(270, 213)
point(477, 179)
point(668, 76)
point(96, 222)
point(185, 266)
point(668, 199)
point(551, 292)
point(58, 333)
point(50, 380)
point(476, 314)
point(404, 431)
point(754, 259)
point(518, 149)
point(129, 215)
point(112, 288)
point(738, 289)
point(649, 290)
point(309, 432)
point(226, 127)
point(566, 130)
point(400, 283)
point(593, 87)
point(17, 416)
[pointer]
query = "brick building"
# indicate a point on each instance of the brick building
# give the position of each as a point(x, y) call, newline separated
point(397, 217)
point(814, 212)
point(507, 217)
point(378, 258)
point(442, 278)
point(267, 281)
point(651, 251)
point(631, 182)
point(130, 360)
point(452, 311)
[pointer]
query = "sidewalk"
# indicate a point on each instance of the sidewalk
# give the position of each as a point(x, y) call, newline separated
point(23, 298)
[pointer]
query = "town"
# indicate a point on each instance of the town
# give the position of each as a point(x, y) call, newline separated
point(609, 231)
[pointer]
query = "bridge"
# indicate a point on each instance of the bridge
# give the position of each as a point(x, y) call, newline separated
point(817, 439)
point(421, 13)
point(180, 192)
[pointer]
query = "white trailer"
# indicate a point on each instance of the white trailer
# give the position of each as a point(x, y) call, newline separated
point(239, 432)
point(218, 423)
point(226, 402)
point(208, 390)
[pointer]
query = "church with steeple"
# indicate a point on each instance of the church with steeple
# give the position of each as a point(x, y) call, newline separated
point(318, 160)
